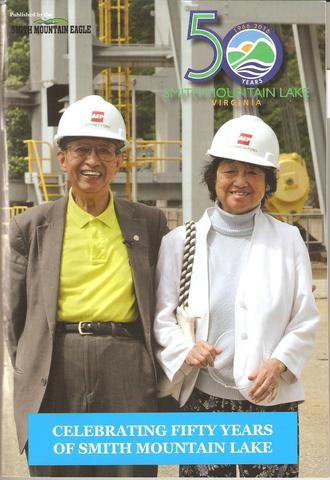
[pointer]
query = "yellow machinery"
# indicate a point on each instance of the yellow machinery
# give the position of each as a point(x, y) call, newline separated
point(292, 185)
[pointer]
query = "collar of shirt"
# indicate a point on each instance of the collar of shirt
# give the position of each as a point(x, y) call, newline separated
point(82, 218)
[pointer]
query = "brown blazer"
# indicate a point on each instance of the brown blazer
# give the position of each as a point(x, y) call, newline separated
point(36, 239)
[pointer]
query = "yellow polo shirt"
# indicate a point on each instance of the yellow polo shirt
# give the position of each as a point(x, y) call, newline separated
point(96, 280)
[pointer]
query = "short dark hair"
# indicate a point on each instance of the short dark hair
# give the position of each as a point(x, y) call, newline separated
point(210, 177)
point(64, 142)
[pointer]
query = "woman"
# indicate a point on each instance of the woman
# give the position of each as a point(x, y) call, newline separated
point(250, 293)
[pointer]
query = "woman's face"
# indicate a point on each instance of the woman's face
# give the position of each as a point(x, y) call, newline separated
point(240, 186)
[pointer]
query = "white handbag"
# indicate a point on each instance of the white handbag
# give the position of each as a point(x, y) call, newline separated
point(185, 321)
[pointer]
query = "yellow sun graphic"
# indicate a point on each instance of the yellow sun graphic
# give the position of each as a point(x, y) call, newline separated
point(247, 47)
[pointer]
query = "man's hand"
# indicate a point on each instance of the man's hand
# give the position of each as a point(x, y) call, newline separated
point(202, 354)
point(266, 379)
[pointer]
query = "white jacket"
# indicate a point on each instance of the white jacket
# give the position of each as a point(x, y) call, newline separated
point(275, 312)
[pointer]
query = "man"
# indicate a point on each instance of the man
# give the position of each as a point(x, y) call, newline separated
point(82, 306)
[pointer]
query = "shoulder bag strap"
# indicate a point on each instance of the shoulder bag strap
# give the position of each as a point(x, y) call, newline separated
point(187, 264)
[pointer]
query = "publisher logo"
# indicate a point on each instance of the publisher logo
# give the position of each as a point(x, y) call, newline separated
point(244, 139)
point(254, 54)
point(97, 117)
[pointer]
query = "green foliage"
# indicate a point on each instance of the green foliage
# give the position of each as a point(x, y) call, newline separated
point(17, 167)
point(18, 129)
point(321, 41)
point(18, 63)
point(145, 115)
point(141, 28)
point(141, 21)
point(15, 6)
point(18, 68)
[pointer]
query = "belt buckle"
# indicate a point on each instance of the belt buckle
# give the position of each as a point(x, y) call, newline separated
point(80, 330)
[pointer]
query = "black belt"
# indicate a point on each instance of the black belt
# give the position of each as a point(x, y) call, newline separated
point(114, 329)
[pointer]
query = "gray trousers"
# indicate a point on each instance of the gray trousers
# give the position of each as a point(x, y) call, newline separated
point(99, 374)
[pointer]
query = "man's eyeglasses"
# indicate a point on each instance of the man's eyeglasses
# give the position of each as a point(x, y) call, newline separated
point(105, 153)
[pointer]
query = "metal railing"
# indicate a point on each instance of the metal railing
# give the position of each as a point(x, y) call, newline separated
point(312, 223)
point(34, 156)
point(150, 154)
point(173, 217)
point(13, 211)
point(153, 153)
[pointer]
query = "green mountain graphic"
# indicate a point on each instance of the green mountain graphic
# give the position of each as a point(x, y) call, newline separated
point(50, 21)
point(261, 51)
point(235, 56)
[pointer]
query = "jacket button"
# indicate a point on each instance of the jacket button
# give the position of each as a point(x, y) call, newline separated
point(44, 382)
point(244, 336)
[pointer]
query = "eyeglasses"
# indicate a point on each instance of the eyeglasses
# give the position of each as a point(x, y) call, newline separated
point(81, 152)
point(222, 370)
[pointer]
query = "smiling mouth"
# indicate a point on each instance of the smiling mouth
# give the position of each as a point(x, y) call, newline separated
point(239, 194)
point(90, 173)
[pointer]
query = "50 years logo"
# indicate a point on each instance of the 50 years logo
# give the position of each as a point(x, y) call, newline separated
point(251, 53)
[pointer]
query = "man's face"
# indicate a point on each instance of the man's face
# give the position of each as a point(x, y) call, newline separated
point(91, 164)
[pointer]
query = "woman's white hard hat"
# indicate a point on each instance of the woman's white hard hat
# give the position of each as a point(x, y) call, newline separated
point(246, 139)
point(92, 116)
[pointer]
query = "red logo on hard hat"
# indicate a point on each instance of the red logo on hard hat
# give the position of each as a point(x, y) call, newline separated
point(244, 139)
point(97, 117)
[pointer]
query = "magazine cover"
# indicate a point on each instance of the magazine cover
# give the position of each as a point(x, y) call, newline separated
point(163, 187)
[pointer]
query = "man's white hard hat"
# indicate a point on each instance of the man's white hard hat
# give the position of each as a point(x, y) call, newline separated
point(246, 139)
point(92, 116)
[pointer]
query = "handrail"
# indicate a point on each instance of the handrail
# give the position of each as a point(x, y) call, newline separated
point(34, 156)
point(154, 153)
point(13, 211)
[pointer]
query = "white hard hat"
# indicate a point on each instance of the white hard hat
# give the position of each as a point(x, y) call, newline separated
point(246, 139)
point(92, 116)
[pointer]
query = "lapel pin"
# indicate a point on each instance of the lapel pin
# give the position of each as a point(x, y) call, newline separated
point(136, 238)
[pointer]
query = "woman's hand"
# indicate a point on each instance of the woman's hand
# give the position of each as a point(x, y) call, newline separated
point(266, 379)
point(202, 354)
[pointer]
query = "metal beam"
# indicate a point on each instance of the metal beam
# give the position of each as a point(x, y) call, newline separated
point(21, 99)
point(267, 11)
point(174, 15)
point(167, 114)
point(80, 52)
point(327, 42)
point(144, 83)
point(312, 77)
point(132, 56)
point(197, 131)
point(154, 83)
